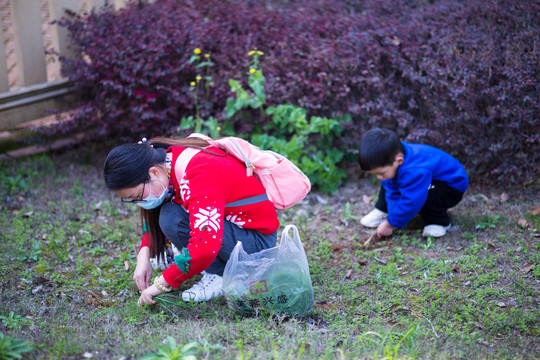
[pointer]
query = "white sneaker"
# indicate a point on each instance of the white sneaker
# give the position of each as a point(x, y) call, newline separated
point(435, 230)
point(374, 218)
point(209, 287)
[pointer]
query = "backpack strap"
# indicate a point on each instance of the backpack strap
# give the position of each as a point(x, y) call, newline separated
point(182, 162)
point(208, 139)
point(180, 169)
point(248, 201)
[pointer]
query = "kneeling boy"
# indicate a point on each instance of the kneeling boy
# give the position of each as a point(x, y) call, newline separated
point(415, 178)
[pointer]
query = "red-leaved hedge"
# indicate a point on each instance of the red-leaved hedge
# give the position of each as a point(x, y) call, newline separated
point(460, 75)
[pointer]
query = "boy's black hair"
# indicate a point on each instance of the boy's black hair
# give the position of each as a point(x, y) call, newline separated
point(378, 148)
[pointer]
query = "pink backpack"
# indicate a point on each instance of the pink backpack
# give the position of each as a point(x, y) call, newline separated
point(284, 182)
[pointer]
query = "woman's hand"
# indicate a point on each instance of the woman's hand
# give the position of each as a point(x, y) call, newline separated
point(143, 271)
point(148, 294)
point(385, 229)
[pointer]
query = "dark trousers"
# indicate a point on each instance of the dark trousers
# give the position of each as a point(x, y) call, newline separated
point(441, 197)
point(174, 222)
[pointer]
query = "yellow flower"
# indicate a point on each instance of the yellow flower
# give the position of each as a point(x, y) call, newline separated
point(251, 71)
point(251, 53)
point(192, 83)
point(207, 55)
point(218, 128)
point(197, 51)
point(198, 77)
point(260, 52)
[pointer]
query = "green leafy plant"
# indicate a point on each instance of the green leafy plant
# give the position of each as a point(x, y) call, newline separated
point(172, 351)
point(34, 254)
point(306, 142)
point(390, 343)
point(13, 321)
point(488, 222)
point(11, 348)
point(347, 213)
point(58, 244)
point(256, 83)
point(200, 90)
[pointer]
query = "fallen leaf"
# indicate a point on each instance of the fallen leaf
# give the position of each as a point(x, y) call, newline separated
point(501, 304)
point(349, 273)
point(126, 265)
point(527, 267)
point(337, 247)
point(455, 268)
point(485, 343)
point(380, 260)
point(402, 311)
point(467, 283)
point(417, 315)
point(522, 222)
point(491, 244)
point(504, 197)
point(534, 210)
point(393, 307)
point(367, 199)
point(94, 295)
point(15, 211)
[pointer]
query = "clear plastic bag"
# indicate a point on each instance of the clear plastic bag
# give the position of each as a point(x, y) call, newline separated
point(275, 279)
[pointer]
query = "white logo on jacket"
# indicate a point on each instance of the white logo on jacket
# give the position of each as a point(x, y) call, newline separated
point(235, 220)
point(185, 192)
point(206, 218)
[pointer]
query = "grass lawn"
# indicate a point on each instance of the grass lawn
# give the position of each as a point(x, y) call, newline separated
point(67, 254)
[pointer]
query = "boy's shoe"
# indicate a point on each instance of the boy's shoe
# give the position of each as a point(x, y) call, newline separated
point(435, 230)
point(374, 218)
point(209, 287)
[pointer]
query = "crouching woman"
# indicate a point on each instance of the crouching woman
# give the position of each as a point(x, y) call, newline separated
point(203, 210)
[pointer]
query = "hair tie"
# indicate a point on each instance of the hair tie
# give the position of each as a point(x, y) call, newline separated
point(144, 141)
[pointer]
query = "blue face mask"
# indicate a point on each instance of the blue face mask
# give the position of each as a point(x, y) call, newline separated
point(152, 201)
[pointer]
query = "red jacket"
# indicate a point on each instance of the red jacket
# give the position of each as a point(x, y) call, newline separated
point(209, 183)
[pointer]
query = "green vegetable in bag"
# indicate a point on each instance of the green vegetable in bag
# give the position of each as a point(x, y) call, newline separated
point(276, 279)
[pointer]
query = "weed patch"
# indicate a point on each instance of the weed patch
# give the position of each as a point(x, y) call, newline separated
point(67, 255)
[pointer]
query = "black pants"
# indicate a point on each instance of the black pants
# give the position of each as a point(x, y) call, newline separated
point(441, 197)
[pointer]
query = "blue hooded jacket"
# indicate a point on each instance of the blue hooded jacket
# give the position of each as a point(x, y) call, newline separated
point(407, 192)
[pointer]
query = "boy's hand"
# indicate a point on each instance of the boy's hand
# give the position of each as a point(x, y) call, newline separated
point(384, 229)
